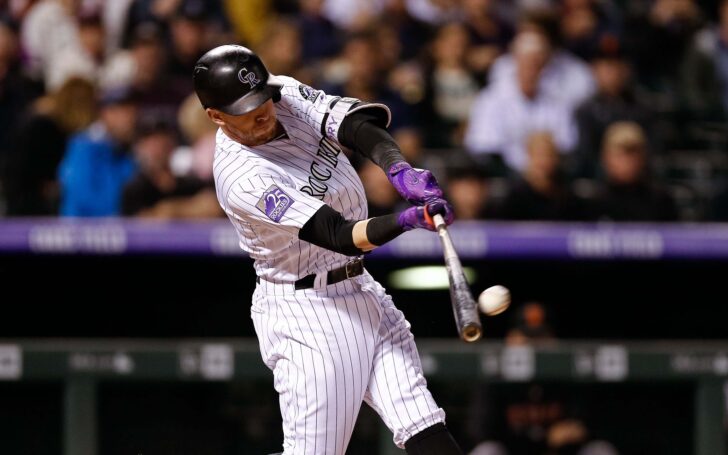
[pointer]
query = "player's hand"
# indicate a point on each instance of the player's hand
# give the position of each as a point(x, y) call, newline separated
point(420, 217)
point(418, 186)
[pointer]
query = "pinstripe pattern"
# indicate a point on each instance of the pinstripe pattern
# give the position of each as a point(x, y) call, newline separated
point(330, 348)
point(334, 346)
point(243, 174)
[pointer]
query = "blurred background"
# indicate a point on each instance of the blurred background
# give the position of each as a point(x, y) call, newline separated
point(583, 143)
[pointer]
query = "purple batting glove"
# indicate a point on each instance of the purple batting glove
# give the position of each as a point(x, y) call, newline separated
point(418, 186)
point(420, 217)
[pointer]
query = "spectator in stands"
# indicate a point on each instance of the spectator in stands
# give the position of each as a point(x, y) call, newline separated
point(382, 198)
point(531, 325)
point(358, 73)
point(13, 12)
point(537, 419)
point(92, 37)
point(50, 38)
point(489, 33)
point(657, 42)
point(615, 100)
point(541, 192)
point(540, 419)
point(143, 68)
point(405, 78)
point(412, 33)
point(165, 12)
point(39, 144)
point(704, 71)
point(98, 163)
point(187, 28)
point(451, 87)
point(281, 51)
point(629, 194)
point(585, 24)
point(139, 65)
point(435, 12)
point(560, 69)
point(16, 90)
point(249, 19)
point(155, 192)
point(352, 15)
point(320, 38)
point(510, 109)
point(200, 133)
point(150, 11)
point(115, 16)
point(467, 190)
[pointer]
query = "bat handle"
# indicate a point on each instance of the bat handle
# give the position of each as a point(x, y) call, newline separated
point(439, 221)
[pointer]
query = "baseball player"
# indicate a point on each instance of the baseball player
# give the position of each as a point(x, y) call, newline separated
point(328, 331)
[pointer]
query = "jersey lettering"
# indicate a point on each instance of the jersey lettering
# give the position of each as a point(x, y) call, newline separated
point(329, 152)
point(319, 173)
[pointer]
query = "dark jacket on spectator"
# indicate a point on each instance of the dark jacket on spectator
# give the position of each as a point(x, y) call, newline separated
point(141, 193)
point(640, 202)
point(523, 202)
point(594, 117)
point(31, 187)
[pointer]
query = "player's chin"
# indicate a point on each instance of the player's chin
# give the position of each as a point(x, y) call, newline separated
point(264, 136)
point(256, 140)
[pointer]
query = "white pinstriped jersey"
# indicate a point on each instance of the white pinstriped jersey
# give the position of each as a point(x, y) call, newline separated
point(334, 345)
point(270, 191)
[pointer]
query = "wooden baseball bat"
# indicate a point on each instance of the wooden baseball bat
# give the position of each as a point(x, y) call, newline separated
point(464, 307)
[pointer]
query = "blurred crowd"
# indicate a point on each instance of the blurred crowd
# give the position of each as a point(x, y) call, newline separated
point(524, 109)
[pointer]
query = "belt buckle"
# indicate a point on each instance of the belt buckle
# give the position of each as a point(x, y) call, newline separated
point(353, 268)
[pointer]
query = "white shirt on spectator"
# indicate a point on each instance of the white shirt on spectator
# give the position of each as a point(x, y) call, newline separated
point(345, 13)
point(502, 118)
point(115, 16)
point(565, 77)
point(434, 12)
point(49, 37)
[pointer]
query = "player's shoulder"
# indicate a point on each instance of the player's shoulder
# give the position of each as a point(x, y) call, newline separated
point(293, 89)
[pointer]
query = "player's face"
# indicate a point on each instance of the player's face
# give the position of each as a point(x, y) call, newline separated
point(254, 128)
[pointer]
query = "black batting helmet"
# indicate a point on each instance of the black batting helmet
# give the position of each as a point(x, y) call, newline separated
point(233, 80)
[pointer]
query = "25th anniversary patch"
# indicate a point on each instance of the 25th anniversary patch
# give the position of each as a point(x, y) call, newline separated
point(274, 203)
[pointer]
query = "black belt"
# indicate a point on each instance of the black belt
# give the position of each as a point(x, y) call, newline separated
point(353, 268)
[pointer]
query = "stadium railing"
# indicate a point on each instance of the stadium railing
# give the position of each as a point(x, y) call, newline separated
point(81, 364)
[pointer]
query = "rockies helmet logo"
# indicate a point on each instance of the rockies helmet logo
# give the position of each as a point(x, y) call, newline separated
point(247, 77)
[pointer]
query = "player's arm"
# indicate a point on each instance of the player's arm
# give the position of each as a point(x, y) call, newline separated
point(363, 131)
point(328, 229)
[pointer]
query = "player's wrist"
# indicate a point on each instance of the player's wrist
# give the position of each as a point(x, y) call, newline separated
point(396, 167)
point(382, 229)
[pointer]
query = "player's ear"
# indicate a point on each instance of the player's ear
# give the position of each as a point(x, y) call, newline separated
point(215, 116)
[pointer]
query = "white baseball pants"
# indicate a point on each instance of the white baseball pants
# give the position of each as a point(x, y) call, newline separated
point(332, 347)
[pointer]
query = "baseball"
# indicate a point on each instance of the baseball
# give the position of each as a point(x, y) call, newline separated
point(494, 300)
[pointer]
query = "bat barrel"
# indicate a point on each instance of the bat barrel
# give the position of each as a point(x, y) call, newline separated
point(471, 332)
point(464, 308)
